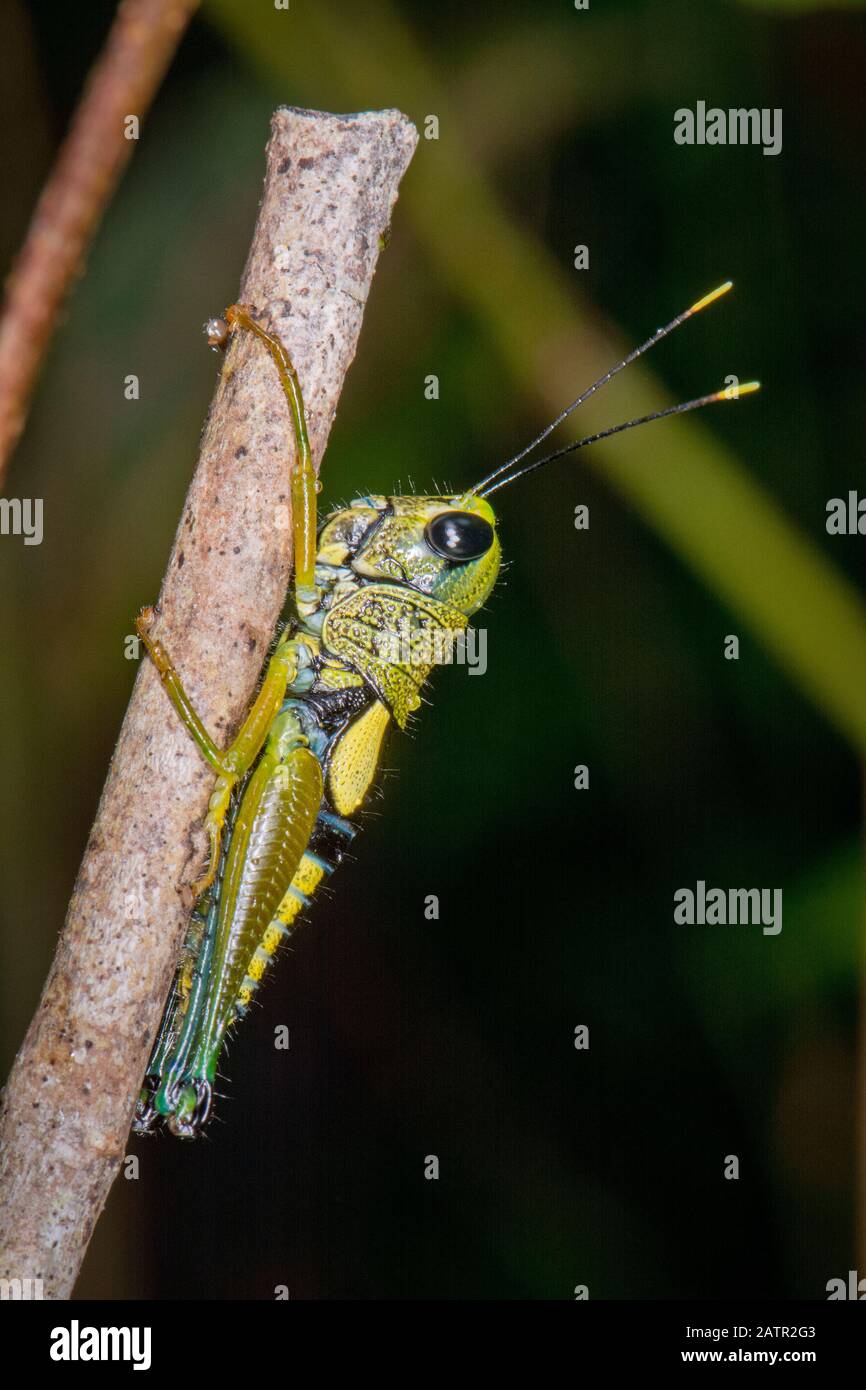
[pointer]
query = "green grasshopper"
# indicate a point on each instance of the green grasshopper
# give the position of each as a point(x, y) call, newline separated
point(382, 571)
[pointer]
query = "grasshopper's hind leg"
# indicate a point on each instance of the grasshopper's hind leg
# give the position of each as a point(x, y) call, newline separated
point(177, 1032)
point(272, 830)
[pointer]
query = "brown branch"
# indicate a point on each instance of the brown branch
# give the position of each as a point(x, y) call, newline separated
point(330, 185)
point(139, 48)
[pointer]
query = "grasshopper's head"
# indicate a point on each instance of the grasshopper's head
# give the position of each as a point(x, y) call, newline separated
point(446, 547)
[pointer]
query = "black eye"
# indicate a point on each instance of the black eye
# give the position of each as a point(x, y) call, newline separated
point(459, 535)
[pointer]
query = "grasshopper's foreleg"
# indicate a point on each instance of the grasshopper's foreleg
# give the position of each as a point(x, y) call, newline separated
point(302, 473)
point(235, 761)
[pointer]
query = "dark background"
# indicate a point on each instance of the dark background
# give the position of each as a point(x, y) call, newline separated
point(455, 1037)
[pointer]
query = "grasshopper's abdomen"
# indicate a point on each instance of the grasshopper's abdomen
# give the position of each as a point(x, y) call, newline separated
point(271, 833)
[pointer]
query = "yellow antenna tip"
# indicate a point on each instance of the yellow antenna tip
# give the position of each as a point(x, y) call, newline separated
point(711, 297)
point(733, 393)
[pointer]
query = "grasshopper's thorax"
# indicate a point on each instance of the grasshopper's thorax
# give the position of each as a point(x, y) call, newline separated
point(397, 579)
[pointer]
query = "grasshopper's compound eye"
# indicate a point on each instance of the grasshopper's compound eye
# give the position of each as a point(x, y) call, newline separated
point(459, 535)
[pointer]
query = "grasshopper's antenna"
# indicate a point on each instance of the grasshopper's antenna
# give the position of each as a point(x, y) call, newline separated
point(728, 393)
point(603, 380)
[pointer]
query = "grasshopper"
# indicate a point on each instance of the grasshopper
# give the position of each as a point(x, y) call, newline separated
point(374, 592)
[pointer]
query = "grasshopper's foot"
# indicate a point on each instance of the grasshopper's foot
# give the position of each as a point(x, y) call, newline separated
point(182, 1106)
point(192, 1108)
point(201, 885)
point(146, 1114)
point(145, 620)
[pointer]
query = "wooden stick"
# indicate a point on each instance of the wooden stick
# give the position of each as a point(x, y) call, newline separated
point(330, 186)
